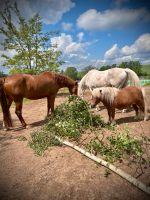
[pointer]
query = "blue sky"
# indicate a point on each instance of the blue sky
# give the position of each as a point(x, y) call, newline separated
point(95, 32)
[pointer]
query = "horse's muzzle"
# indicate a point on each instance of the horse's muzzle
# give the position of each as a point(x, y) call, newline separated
point(92, 106)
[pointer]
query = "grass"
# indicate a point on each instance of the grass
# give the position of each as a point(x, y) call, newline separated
point(146, 68)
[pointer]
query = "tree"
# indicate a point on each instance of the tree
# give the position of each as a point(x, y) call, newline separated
point(33, 50)
point(2, 74)
point(134, 65)
point(103, 68)
point(71, 72)
point(88, 68)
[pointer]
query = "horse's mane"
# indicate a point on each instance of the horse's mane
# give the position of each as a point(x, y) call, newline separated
point(62, 79)
point(106, 94)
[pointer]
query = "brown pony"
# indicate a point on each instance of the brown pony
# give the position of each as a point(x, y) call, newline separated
point(120, 98)
point(19, 86)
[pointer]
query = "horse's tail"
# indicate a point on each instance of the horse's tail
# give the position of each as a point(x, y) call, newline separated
point(133, 77)
point(145, 105)
point(4, 106)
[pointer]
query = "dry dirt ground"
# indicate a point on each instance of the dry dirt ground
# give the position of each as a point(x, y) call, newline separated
point(61, 173)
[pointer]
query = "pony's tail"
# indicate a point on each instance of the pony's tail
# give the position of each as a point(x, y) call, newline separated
point(145, 105)
point(133, 77)
point(4, 106)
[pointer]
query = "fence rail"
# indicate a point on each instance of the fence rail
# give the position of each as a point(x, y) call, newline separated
point(144, 81)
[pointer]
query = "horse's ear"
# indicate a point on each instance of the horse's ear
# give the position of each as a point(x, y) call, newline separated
point(100, 90)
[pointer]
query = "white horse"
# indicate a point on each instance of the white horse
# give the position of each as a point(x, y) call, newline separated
point(114, 77)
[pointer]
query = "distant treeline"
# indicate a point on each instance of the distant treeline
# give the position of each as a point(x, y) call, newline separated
point(140, 70)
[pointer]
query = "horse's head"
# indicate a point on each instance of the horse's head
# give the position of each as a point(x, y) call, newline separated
point(73, 89)
point(96, 97)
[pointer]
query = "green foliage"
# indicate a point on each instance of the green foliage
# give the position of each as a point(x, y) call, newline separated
point(2, 74)
point(42, 140)
point(84, 71)
point(117, 146)
point(80, 75)
point(133, 65)
point(30, 44)
point(107, 172)
point(69, 120)
point(22, 138)
point(71, 72)
point(103, 68)
point(146, 70)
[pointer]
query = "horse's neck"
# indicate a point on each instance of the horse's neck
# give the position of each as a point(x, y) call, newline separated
point(82, 83)
point(64, 81)
point(81, 86)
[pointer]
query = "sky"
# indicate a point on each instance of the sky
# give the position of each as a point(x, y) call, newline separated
point(94, 32)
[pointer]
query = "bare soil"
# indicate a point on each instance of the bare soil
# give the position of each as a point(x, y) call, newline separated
point(61, 173)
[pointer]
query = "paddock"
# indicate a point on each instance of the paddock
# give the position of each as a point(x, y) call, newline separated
point(61, 173)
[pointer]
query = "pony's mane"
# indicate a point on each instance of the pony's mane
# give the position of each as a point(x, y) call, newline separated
point(107, 94)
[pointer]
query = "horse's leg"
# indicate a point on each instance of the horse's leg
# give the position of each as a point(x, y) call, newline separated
point(50, 103)
point(18, 111)
point(9, 102)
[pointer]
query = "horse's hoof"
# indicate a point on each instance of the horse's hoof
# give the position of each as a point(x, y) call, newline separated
point(146, 118)
point(137, 117)
point(113, 123)
point(6, 129)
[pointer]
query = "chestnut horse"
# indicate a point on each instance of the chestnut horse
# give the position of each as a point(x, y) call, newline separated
point(120, 98)
point(19, 86)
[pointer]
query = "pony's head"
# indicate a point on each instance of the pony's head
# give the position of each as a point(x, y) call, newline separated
point(104, 94)
point(73, 89)
point(96, 97)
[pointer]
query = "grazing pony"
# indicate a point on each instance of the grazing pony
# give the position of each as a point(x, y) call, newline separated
point(120, 98)
point(114, 77)
point(19, 86)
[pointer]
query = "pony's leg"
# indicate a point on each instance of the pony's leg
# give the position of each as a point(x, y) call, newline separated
point(18, 111)
point(50, 104)
point(113, 116)
point(143, 109)
point(135, 107)
point(110, 114)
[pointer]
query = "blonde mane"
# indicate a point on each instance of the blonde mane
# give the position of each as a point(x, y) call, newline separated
point(106, 94)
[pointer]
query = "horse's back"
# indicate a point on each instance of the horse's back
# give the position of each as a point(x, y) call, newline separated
point(129, 95)
point(115, 77)
point(29, 86)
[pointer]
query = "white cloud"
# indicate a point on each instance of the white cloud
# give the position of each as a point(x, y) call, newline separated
point(67, 26)
point(66, 44)
point(141, 45)
point(74, 52)
point(51, 11)
point(139, 50)
point(80, 36)
point(112, 52)
point(94, 20)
